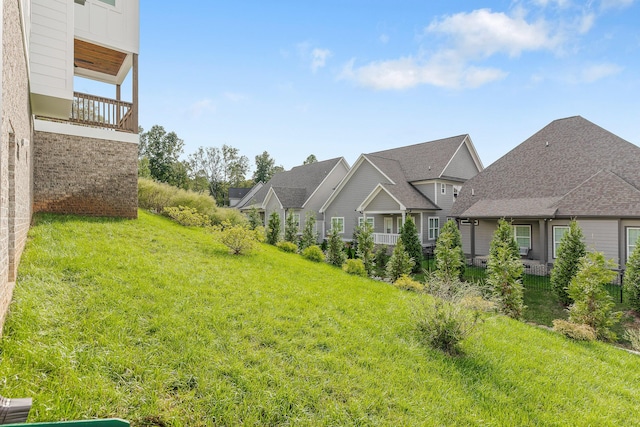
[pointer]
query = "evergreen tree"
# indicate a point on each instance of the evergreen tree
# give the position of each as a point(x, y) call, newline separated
point(400, 262)
point(290, 228)
point(449, 254)
point(632, 279)
point(335, 249)
point(273, 228)
point(592, 304)
point(411, 241)
point(254, 218)
point(504, 271)
point(569, 252)
point(309, 236)
point(365, 247)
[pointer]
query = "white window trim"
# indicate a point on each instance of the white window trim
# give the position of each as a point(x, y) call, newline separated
point(556, 244)
point(434, 232)
point(296, 219)
point(530, 232)
point(339, 219)
point(371, 220)
point(443, 188)
point(629, 249)
point(384, 224)
point(399, 224)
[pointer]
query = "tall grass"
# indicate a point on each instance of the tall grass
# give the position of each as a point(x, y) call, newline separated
point(157, 323)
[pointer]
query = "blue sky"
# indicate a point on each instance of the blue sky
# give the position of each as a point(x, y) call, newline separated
point(342, 77)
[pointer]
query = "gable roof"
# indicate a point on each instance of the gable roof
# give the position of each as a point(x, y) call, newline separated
point(571, 167)
point(410, 164)
point(294, 187)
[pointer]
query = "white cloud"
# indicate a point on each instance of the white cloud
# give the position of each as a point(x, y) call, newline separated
point(482, 33)
point(319, 58)
point(202, 106)
point(596, 72)
point(384, 38)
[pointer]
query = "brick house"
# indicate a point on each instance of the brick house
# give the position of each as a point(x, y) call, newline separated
point(63, 151)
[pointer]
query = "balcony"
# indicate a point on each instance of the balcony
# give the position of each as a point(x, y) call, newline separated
point(385, 238)
point(96, 111)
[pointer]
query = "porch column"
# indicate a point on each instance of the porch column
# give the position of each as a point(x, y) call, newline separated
point(621, 245)
point(544, 240)
point(472, 233)
point(118, 104)
point(134, 94)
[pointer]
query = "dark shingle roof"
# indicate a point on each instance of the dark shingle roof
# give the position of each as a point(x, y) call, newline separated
point(571, 167)
point(295, 186)
point(426, 160)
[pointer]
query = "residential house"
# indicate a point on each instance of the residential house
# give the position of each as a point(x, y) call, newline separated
point(60, 150)
point(571, 168)
point(384, 187)
point(298, 191)
point(237, 194)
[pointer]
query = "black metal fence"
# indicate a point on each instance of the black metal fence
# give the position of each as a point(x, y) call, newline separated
point(536, 276)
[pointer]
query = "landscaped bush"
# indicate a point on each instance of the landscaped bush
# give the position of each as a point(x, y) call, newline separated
point(633, 335)
point(406, 283)
point(381, 259)
point(448, 253)
point(411, 242)
point(576, 331)
point(335, 250)
point(355, 267)
point(231, 215)
point(365, 246)
point(187, 216)
point(287, 247)
point(240, 239)
point(632, 279)
point(313, 253)
point(569, 252)
point(273, 228)
point(400, 262)
point(156, 196)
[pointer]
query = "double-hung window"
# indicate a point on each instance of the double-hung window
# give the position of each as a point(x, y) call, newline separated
point(434, 227)
point(370, 221)
point(558, 233)
point(337, 222)
point(633, 238)
point(522, 234)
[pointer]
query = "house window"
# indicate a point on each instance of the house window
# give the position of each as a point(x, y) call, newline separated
point(443, 188)
point(522, 234)
point(109, 2)
point(338, 223)
point(296, 220)
point(388, 225)
point(456, 191)
point(558, 233)
point(370, 221)
point(434, 227)
point(633, 234)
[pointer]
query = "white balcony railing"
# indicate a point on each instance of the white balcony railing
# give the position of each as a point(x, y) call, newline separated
point(385, 238)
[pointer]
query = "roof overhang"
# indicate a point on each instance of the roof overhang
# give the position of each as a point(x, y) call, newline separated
point(100, 63)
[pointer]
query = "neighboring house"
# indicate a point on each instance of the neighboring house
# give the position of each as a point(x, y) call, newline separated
point(419, 180)
point(236, 195)
point(571, 168)
point(63, 151)
point(298, 191)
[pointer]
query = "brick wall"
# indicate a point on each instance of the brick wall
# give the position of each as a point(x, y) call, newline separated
point(16, 159)
point(86, 176)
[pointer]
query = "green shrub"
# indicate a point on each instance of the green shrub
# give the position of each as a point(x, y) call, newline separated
point(187, 216)
point(313, 253)
point(504, 271)
point(569, 252)
point(448, 253)
point(287, 247)
point(309, 236)
point(633, 335)
point(355, 267)
point(254, 218)
point(273, 228)
point(576, 331)
point(443, 324)
point(400, 262)
point(381, 259)
point(592, 304)
point(231, 215)
point(240, 239)
point(290, 228)
point(335, 251)
point(632, 279)
point(411, 242)
point(365, 247)
point(406, 283)
point(155, 196)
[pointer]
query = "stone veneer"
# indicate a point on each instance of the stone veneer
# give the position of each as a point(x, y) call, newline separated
point(85, 176)
point(16, 159)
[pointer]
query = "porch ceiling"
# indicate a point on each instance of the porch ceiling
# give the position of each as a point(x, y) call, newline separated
point(96, 58)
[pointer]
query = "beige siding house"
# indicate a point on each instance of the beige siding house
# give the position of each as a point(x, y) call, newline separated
point(383, 188)
point(571, 168)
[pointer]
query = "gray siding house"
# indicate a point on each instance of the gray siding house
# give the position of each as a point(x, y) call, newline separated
point(383, 188)
point(571, 168)
point(297, 191)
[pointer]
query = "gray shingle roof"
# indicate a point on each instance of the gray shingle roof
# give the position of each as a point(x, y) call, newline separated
point(423, 161)
point(295, 186)
point(571, 167)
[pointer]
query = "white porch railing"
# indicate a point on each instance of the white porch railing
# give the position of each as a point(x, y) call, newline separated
point(385, 239)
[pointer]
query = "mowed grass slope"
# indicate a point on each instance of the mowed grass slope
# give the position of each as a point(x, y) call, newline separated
point(157, 323)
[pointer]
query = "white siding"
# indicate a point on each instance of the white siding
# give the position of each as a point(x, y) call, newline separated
point(114, 27)
point(51, 56)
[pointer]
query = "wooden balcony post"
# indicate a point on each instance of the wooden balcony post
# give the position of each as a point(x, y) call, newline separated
point(134, 100)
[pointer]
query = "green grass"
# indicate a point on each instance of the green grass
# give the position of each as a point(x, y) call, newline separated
point(158, 324)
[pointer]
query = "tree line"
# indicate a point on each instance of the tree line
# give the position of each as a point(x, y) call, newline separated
point(211, 170)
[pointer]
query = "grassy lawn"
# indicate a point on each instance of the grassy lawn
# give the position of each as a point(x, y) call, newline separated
point(157, 323)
